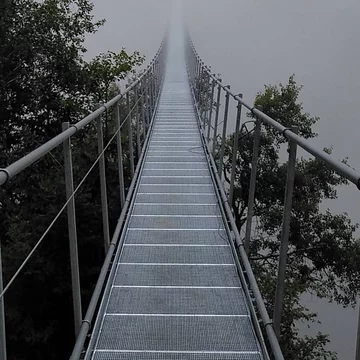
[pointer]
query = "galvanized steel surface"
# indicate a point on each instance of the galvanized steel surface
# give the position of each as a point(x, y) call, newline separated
point(176, 293)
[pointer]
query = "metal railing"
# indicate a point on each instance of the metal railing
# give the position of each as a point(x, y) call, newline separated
point(208, 90)
point(140, 99)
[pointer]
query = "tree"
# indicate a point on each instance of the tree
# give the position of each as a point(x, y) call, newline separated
point(107, 68)
point(44, 82)
point(322, 253)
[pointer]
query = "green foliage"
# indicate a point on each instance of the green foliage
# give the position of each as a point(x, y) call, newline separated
point(104, 69)
point(44, 82)
point(281, 103)
point(322, 253)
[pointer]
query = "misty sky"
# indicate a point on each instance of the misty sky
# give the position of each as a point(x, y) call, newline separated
point(256, 42)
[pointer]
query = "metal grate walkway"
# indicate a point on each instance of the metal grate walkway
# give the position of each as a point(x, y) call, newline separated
point(176, 293)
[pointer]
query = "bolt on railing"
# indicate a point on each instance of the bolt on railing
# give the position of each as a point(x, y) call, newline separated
point(198, 74)
point(140, 99)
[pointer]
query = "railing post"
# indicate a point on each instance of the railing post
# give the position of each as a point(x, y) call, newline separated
point(199, 87)
point(119, 155)
point(206, 99)
point(130, 135)
point(155, 80)
point(158, 79)
point(280, 285)
point(3, 355)
point(357, 356)
point(196, 73)
point(203, 96)
point(194, 67)
point(142, 94)
point(137, 121)
point(147, 105)
point(151, 96)
point(71, 216)
point(158, 82)
point(222, 150)
point(104, 203)
point(153, 90)
point(154, 84)
point(191, 63)
point(252, 186)
point(216, 119)
point(235, 150)
point(211, 109)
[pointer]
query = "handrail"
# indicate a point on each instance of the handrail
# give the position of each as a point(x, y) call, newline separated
point(337, 165)
point(116, 241)
point(38, 243)
point(10, 171)
point(86, 322)
point(147, 85)
point(202, 80)
point(267, 323)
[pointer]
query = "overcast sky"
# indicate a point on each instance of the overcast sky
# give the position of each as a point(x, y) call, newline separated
point(257, 42)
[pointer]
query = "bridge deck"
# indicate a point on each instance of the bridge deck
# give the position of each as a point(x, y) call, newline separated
point(176, 293)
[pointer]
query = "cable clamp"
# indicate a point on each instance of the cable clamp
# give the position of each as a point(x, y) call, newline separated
point(252, 110)
point(87, 322)
point(241, 244)
point(269, 323)
point(74, 126)
point(285, 130)
point(7, 175)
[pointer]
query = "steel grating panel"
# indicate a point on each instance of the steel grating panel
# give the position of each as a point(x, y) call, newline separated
point(180, 209)
point(176, 179)
point(179, 165)
point(176, 198)
point(187, 148)
point(186, 237)
point(189, 135)
point(171, 125)
point(176, 172)
point(176, 189)
point(167, 275)
point(175, 118)
point(171, 222)
point(100, 355)
point(176, 129)
point(169, 136)
point(181, 131)
point(208, 301)
point(176, 293)
point(173, 111)
point(177, 333)
point(176, 255)
point(181, 159)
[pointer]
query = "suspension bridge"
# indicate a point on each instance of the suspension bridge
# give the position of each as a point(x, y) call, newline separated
point(176, 282)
